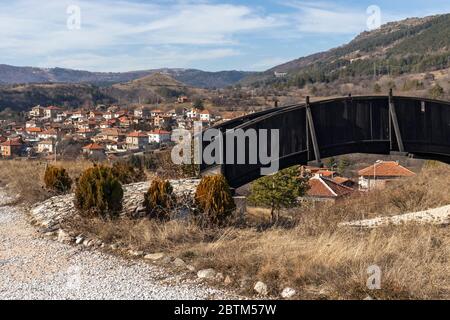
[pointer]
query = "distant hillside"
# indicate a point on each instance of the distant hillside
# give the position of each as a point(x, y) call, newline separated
point(209, 80)
point(154, 88)
point(23, 97)
point(409, 46)
point(194, 78)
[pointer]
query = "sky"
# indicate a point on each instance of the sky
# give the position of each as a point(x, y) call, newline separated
point(211, 35)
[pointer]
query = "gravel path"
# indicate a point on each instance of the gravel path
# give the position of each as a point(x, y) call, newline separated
point(32, 267)
point(438, 216)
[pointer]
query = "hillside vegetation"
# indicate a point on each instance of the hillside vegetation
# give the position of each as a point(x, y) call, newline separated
point(409, 46)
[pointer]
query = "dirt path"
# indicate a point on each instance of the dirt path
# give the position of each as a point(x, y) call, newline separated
point(32, 267)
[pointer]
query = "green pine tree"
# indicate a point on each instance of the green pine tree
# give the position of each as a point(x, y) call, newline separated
point(278, 191)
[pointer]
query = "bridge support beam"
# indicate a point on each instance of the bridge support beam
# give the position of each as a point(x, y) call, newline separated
point(394, 121)
point(311, 133)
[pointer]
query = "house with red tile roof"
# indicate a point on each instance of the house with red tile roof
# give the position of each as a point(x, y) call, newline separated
point(137, 140)
point(205, 116)
point(381, 173)
point(48, 134)
point(94, 150)
point(159, 136)
point(325, 189)
point(51, 111)
point(11, 148)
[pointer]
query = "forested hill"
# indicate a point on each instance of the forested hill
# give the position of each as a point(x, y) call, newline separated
point(409, 46)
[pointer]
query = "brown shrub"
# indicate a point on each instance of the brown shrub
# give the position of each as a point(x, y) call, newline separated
point(98, 193)
point(159, 200)
point(57, 179)
point(214, 200)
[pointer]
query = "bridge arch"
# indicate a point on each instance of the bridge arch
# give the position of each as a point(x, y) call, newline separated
point(362, 124)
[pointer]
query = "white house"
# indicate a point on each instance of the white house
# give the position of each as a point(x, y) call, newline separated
point(205, 116)
point(46, 146)
point(381, 173)
point(193, 113)
point(158, 136)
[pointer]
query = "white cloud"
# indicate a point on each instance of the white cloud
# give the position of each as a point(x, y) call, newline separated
point(326, 17)
point(268, 63)
point(110, 30)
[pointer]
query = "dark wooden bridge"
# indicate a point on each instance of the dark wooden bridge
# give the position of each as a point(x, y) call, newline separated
point(312, 131)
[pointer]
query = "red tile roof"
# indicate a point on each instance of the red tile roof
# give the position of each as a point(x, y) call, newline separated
point(11, 143)
point(341, 180)
point(93, 146)
point(321, 187)
point(386, 169)
point(326, 173)
point(137, 134)
point(33, 129)
point(53, 108)
point(159, 132)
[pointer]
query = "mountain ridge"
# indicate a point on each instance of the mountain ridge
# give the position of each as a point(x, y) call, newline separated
point(196, 78)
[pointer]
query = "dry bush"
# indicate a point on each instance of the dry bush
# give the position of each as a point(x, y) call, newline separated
point(318, 259)
point(159, 200)
point(98, 193)
point(214, 200)
point(57, 179)
point(25, 178)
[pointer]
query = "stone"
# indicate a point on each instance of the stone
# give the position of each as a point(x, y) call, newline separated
point(114, 246)
point(154, 256)
point(206, 274)
point(135, 253)
point(190, 268)
point(63, 236)
point(288, 293)
point(261, 288)
point(166, 260)
point(87, 242)
point(79, 240)
point(227, 281)
point(219, 277)
point(179, 263)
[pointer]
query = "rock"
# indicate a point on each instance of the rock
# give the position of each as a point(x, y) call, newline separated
point(227, 281)
point(114, 246)
point(166, 260)
point(179, 263)
point(79, 240)
point(288, 293)
point(63, 236)
point(206, 274)
point(87, 243)
point(261, 288)
point(155, 256)
point(219, 277)
point(140, 209)
point(190, 268)
point(135, 253)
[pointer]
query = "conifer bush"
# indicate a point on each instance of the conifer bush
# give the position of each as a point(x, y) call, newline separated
point(126, 173)
point(57, 179)
point(159, 200)
point(214, 200)
point(99, 193)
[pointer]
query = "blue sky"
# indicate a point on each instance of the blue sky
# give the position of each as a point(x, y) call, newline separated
point(125, 35)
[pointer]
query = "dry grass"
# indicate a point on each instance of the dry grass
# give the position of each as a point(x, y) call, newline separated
point(25, 178)
point(314, 256)
point(318, 259)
